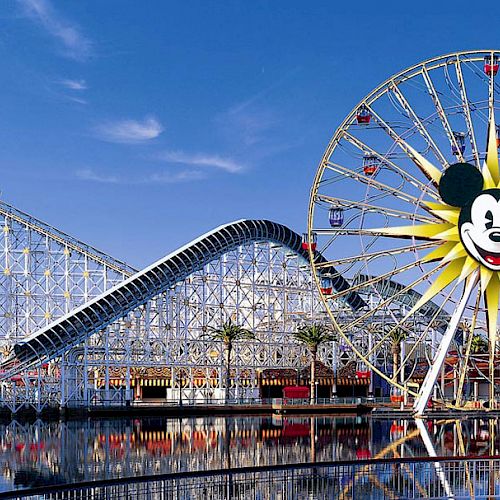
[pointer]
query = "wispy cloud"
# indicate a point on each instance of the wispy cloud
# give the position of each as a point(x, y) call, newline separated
point(202, 160)
point(254, 121)
point(248, 127)
point(68, 34)
point(78, 100)
point(174, 177)
point(74, 84)
point(241, 106)
point(89, 174)
point(129, 131)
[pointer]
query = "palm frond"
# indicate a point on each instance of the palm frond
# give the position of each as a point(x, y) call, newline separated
point(314, 335)
point(229, 332)
point(397, 335)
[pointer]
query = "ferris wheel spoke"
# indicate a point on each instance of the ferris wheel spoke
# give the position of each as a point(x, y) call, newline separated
point(418, 123)
point(441, 113)
point(409, 178)
point(383, 277)
point(491, 98)
point(466, 108)
point(367, 207)
point(478, 105)
point(390, 448)
point(335, 167)
point(427, 168)
point(373, 255)
point(411, 475)
point(400, 324)
point(424, 434)
point(383, 304)
point(430, 324)
point(461, 445)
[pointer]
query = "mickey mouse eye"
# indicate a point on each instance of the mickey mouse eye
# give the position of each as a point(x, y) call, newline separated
point(489, 219)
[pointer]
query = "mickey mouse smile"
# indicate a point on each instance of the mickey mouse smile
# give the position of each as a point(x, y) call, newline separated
point(492, 258)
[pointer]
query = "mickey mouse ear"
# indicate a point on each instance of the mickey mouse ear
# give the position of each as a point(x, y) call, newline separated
point(460, 184)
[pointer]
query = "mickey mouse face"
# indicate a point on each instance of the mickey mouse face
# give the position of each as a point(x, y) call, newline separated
point(479, 222)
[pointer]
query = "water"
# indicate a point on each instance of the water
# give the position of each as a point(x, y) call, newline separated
point(40, 453)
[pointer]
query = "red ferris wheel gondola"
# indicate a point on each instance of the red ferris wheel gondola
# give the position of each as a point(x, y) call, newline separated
point(306, 244)
point(326, 286)
point(491, 65)
point(370, 164)
point(363, 115)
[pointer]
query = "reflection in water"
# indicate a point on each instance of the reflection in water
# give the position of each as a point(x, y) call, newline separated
point(56, 452)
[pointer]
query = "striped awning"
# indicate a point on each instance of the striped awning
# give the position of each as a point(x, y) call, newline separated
point(293, 381)
point(157, 382)
point(353, 381)
point(279, 381)
point(197, 382)
point(115, 382)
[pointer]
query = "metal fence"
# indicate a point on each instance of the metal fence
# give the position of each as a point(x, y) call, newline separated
point(337, 401)
point(440, 477)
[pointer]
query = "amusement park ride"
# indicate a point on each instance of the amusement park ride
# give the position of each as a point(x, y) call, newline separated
point(416, 160)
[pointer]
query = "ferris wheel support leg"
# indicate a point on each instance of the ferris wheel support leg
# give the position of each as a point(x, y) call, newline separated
point(432, 375)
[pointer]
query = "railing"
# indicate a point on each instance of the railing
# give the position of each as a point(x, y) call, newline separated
point(189, 402)
point(439, 477)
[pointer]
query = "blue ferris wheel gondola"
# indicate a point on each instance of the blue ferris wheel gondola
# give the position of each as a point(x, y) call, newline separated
point(336, 216)
point(460, 146)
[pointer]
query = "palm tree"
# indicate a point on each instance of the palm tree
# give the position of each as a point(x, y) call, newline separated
point(228, 333)
point(313, 336)
point(396, 336)
point(479, 345)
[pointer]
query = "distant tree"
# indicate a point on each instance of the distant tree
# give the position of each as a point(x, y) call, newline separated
point(312, 336)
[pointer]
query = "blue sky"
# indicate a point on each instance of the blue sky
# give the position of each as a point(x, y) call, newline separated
point(137, 126)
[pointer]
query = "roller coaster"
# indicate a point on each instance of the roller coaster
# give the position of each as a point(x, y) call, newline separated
point(80, 328)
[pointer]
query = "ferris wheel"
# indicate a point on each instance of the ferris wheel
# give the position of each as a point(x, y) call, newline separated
point(405, 206)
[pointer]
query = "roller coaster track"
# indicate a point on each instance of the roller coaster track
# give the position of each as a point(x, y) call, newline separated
point(95, 315)
point(11, 213)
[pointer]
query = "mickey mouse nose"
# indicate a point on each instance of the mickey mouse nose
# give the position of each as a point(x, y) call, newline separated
point(495, 236)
